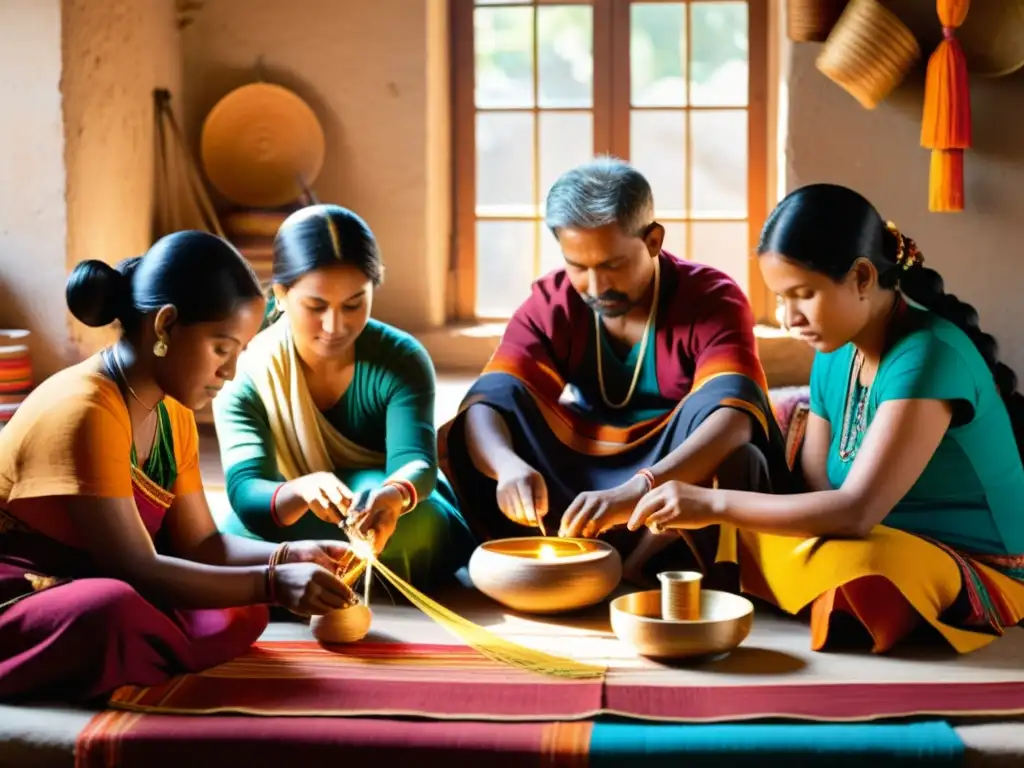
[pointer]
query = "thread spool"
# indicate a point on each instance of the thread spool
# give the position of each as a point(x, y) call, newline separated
point(345, 625)
point(680, 595)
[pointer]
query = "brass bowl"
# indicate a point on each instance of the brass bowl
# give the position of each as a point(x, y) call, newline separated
point(725, 623)
point(584, 572)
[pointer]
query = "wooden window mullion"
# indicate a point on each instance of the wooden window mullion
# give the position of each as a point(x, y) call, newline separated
point(757, 152)
point(463, 277)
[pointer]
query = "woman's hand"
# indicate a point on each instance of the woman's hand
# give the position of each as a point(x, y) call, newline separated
point(330, 555)
point(309, 589)
point(674, 505)
point(594, 512)
point(322, 493)
point(376, 518)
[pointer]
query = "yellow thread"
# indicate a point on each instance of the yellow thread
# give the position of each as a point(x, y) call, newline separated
point(486, 642)
point(489, 644)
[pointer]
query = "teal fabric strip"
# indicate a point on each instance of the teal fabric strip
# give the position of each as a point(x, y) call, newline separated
point(790, 745)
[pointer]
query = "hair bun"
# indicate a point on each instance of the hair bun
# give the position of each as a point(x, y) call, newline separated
point(97, 294)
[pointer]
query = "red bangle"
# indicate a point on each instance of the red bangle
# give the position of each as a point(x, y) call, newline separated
point(647, 475)
point(409, 492)
point(273, 506)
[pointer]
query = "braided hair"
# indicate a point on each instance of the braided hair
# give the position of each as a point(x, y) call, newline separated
point(827, 228)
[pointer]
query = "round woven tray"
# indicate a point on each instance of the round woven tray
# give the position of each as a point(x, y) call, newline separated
point(258, 141)
point(868, 52)
point(992, 36)
point(810, 21)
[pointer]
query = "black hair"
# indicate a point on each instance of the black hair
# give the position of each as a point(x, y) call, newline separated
point(319, 236)
point(827, 228)
point(203, 276)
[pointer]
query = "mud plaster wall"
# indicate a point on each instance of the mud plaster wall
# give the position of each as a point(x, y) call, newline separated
point(76, 152)
point(33, 220)
point(979, 252)
point(376, 74)
point(115, 53)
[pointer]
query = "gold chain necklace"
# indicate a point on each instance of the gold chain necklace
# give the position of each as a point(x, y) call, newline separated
point(124, 380)
point(648, 330)
point(116, 355)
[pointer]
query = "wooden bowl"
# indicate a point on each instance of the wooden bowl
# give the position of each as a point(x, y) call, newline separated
point(345, 625)
point(725, 623)
point(581, 572)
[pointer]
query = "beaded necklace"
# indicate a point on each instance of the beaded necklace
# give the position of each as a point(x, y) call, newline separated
point(855, 409)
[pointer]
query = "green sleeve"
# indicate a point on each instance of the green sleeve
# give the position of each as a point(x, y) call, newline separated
point(925, 367)
point(247, 453)
point(411, 437)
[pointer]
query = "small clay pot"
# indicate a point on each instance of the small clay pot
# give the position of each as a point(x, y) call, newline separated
point(345, 625)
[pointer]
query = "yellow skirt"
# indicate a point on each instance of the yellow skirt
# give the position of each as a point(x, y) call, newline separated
point(889, 581)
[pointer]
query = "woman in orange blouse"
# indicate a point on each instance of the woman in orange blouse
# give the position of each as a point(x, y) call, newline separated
point(112, 571)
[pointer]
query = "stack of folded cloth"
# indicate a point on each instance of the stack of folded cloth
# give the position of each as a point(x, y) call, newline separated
point(251, 231)
point(15, 372)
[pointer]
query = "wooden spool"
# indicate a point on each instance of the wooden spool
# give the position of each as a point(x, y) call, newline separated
point(868, 52)
point(346, 625)
point(810, 21)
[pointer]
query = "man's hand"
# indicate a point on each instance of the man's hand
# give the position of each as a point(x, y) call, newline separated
point(594, 512)
point(522, 494)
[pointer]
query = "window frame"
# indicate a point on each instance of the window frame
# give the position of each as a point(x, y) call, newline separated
point(611, 119)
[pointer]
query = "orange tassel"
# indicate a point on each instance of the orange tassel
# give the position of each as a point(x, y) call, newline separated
point(946, 122)
point(946, 181)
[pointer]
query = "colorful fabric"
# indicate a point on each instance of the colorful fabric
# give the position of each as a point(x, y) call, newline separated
point(739, 746)
point(385, 679)
point(704, 332)
point(441, 682)
point(304, 440)
point(543, 380)
point(68, 632)
point(889, 581)
point(72, 436)
point(132, 740)
point(270, 431)
point(942, 554)
point(970, 492)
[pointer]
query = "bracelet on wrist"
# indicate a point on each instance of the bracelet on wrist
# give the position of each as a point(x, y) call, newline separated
point(276, 558)
point(407, 491)
point(648, 477)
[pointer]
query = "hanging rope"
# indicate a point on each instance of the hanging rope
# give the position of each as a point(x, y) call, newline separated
point(167, 216)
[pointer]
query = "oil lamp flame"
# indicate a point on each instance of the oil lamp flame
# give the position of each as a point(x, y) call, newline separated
point(547, 552)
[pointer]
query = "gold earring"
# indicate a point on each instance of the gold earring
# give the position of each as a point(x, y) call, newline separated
point(160, 348)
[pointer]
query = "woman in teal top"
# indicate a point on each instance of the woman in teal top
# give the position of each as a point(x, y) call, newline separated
point(330, 420)
point(911, 452)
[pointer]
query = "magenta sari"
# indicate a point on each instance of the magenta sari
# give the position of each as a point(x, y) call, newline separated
point(67, 632)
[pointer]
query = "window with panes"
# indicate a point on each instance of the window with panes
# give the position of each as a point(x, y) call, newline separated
point(677, 88)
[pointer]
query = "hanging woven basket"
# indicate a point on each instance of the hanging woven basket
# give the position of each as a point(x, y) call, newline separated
point(868, 52)
point(810, 21)
point(259, 142)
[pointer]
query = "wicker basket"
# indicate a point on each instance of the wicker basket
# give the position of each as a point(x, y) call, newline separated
point(868, 52)
point(810, 21)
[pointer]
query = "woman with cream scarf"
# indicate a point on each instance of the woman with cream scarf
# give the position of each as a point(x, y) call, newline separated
point(330, 419)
